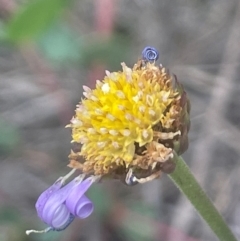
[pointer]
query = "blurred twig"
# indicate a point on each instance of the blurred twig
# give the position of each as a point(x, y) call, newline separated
point(220, 94)
point(48, 78)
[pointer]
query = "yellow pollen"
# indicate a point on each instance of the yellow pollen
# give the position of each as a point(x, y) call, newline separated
point(121, 107)
point(91, 131)
point(80, 108)
point(165, 96)
point(142, 108)
point(113, 132)
point(137, 121)
point(145, 134)
point(76, 122)
point(103, 130)
point(140, 94)
point(86, 94)
point(98, 111)
point(113, 76)
point(101, 144)
point(152, 112)
point(107, 73)
point(94, 98)
point(128, 117)
point(83, 140)
point(105, 88)
point(110, 117)
point(135, 98)
point(126, 132)
point(115, 144)
point(120, 94)
point(149, 100)
point(99, 83)
point(86, 89)
point(128, 72)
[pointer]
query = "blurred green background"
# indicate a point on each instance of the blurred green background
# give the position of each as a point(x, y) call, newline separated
point(50, 48)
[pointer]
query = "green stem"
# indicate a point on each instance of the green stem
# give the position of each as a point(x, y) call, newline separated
point(186, 182)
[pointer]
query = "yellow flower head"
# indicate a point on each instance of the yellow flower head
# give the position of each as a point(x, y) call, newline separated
point(128, 120)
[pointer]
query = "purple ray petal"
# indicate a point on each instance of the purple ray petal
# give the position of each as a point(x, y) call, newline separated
point(77, 203)
point(51, 205)
point(45, 196)
point(60, 217)
point(80, 207)
point(55, 203)
point(82, 187)
point(69, 221)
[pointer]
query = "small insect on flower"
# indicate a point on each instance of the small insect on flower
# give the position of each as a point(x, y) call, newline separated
point(132, 123)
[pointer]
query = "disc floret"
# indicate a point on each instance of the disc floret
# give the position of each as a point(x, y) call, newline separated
point(127, 119)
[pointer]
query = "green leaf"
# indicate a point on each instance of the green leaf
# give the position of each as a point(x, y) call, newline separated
point(138, 228)
point(142, 208)
point(60, 44)
point(28, 23)
point(9, 138)
point(101, 200)
point(8, 214)
point(110, 52)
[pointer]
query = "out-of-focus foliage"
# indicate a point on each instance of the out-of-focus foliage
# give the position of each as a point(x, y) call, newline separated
point(110, 52)
point(133, 227)
point(10, 224)
point(102, 201)
point(33, 19)
point(9, 138)
point(60, 44)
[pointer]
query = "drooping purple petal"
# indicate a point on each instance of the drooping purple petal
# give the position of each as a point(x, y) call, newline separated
point(66, 224)
point(77, 203)
point(82, 187)
point(55, 212)
point(82, 208)
point(57, 206)
point(45, 196)
point(60, 217)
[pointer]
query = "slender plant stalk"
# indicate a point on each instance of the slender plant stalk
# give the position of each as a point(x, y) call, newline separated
point(186, 182)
